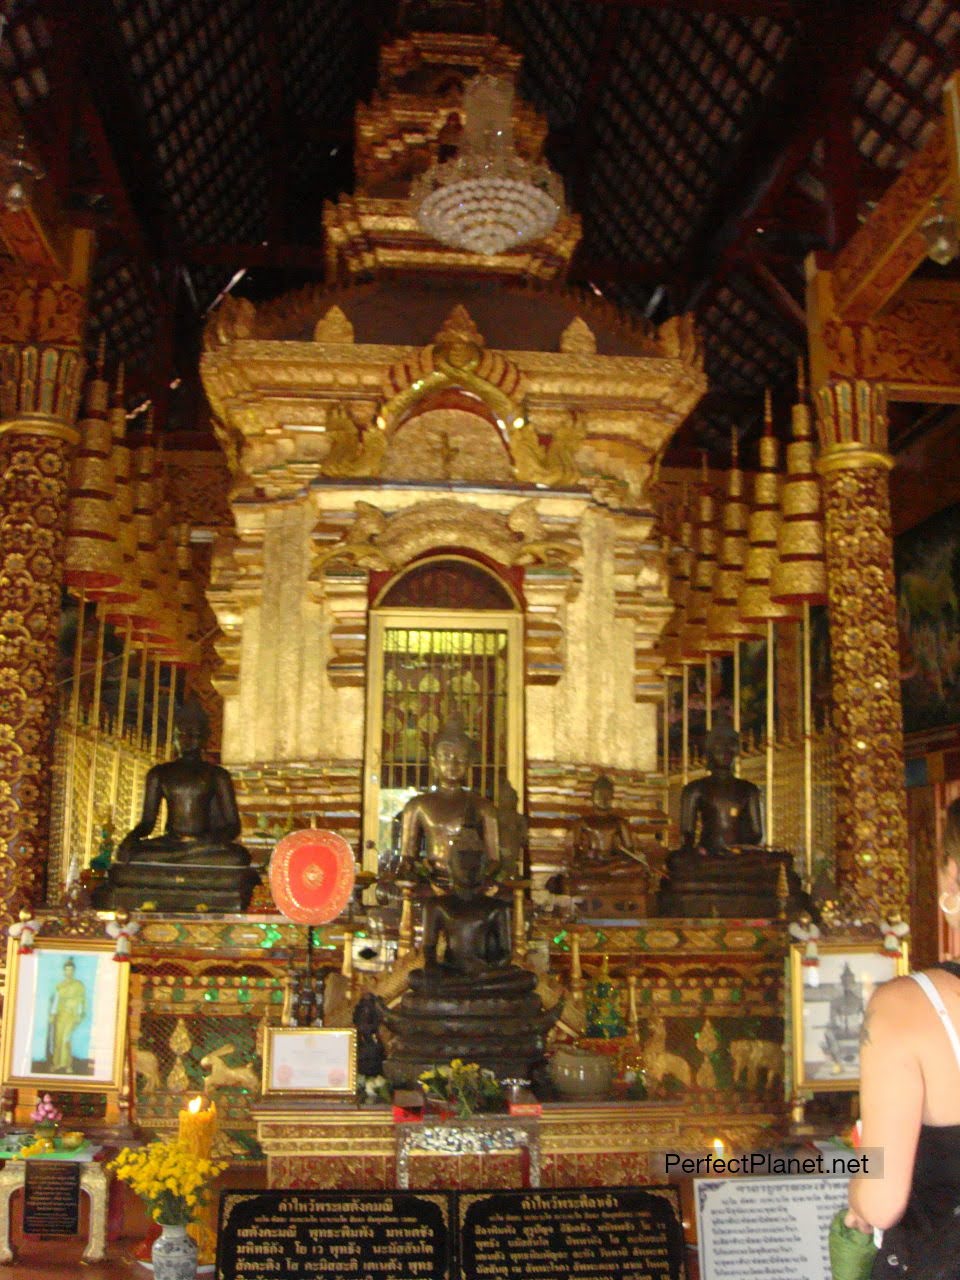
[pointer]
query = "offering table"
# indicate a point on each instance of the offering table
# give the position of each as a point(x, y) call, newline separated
point(311, 1144)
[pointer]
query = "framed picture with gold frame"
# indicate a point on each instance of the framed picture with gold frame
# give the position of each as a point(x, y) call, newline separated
point(65, 1016)
point(826, 1016)
point(310, 1061)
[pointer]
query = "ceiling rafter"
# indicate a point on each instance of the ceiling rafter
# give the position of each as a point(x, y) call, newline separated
point(281, 146)
point(584, 127)
point(744, 8)
point(811, 86)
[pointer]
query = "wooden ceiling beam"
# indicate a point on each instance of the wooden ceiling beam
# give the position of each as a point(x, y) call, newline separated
point(278, 122)
point(745, 8)
point(295, 257)
point(787, 305)
point(814, 84)
point(584, 135)
point(840, 168)
point(591, 270)
point(112, 97)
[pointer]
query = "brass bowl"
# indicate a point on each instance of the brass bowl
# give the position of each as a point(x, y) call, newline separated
point(72, 1141)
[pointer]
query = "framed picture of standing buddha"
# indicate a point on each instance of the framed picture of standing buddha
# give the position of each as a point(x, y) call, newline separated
point(65, 1016)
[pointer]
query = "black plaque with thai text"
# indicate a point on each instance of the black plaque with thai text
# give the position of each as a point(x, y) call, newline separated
point(612, 1233)
point(335, 1235)
point(51, 1198)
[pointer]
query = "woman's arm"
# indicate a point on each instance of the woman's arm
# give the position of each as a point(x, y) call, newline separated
point(891, 1100)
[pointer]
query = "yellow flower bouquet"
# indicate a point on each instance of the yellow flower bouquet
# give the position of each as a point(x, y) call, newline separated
point(467, 1085)
point(172, 1181)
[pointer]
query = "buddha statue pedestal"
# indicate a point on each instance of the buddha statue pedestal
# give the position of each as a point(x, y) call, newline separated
point(499, 1026)
point(742, 885)
point(174, 888)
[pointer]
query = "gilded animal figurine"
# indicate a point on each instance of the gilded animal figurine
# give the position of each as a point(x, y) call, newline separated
point(220, 1075)
point(659, 1061)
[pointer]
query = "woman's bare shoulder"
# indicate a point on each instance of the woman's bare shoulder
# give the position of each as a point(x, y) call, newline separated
point(891, 1006)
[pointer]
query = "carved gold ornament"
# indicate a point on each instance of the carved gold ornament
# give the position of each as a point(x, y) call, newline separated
point(381, 542)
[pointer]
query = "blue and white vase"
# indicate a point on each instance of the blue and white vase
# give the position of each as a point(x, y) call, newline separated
point(174, 1254)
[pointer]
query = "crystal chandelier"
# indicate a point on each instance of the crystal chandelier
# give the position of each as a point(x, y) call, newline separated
point(487, 199)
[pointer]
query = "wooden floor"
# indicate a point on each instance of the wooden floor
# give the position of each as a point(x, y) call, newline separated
point(60, 1260)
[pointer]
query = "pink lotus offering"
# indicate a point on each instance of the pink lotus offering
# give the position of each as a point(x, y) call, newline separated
point(46, 1113)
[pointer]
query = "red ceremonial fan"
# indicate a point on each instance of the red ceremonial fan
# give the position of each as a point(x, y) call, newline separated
point(312, 876)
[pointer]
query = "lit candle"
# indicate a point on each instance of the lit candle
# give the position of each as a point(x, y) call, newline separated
point(198, 1128)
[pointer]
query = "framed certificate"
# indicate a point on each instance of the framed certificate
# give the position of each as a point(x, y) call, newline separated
point(310, 1061)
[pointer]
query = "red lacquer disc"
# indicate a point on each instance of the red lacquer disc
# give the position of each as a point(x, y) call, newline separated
point(312, 875)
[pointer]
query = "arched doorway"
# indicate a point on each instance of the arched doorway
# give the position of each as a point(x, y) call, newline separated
point(445, 636)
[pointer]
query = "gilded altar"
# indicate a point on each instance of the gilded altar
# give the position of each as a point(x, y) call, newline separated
point(360, 468)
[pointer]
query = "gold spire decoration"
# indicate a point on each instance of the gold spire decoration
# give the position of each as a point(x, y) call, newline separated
point(724, 624)
point(172, 647)
point(127, 589)
point(149, 623)
point(681, 559)
point(800, 574)
point(761, 551)
point(93, 560)
point(188, 596)
point(703, 563)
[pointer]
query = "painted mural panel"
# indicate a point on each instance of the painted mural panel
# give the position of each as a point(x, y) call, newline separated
point(927, 561)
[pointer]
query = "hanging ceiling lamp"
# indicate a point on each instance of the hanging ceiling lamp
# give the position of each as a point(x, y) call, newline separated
point(487, 199)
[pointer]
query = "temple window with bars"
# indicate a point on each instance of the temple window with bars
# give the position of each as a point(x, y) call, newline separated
point(459, 654)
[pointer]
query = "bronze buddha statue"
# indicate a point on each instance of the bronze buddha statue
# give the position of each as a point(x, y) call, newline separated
point(721, 813)
point(432, 820)
point(607, 872)
point(472, 1003)
point(196, 861)
point(722, 867)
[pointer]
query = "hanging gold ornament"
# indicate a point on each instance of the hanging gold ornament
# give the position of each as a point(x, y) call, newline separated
point(724, 624)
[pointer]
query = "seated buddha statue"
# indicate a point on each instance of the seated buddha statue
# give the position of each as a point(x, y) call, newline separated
point(432, 820)
point(606, 869)
point(197, 854)
point(722, 867)
point(468, 1000)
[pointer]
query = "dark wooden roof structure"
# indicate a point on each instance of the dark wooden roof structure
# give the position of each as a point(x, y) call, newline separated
point(709, 146)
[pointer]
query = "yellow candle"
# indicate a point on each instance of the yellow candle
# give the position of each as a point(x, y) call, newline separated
point(198, 1128)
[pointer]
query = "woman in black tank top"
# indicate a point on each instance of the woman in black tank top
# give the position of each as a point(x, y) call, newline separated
point(917, 1200)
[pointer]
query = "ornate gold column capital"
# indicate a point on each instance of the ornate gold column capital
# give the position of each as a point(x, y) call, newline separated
point(852, 420)
point(40, 425)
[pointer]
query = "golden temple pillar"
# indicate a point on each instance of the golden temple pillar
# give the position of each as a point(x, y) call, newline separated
point(41, 371)
point(871, 824)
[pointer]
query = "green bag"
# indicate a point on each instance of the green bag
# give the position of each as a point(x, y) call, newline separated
point(851, 1251)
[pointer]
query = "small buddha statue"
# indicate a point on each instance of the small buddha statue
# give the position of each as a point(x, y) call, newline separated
point(722, 867)
point(195, 864)
point(432, 820)
point(607, 872)
point(470, 1002)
